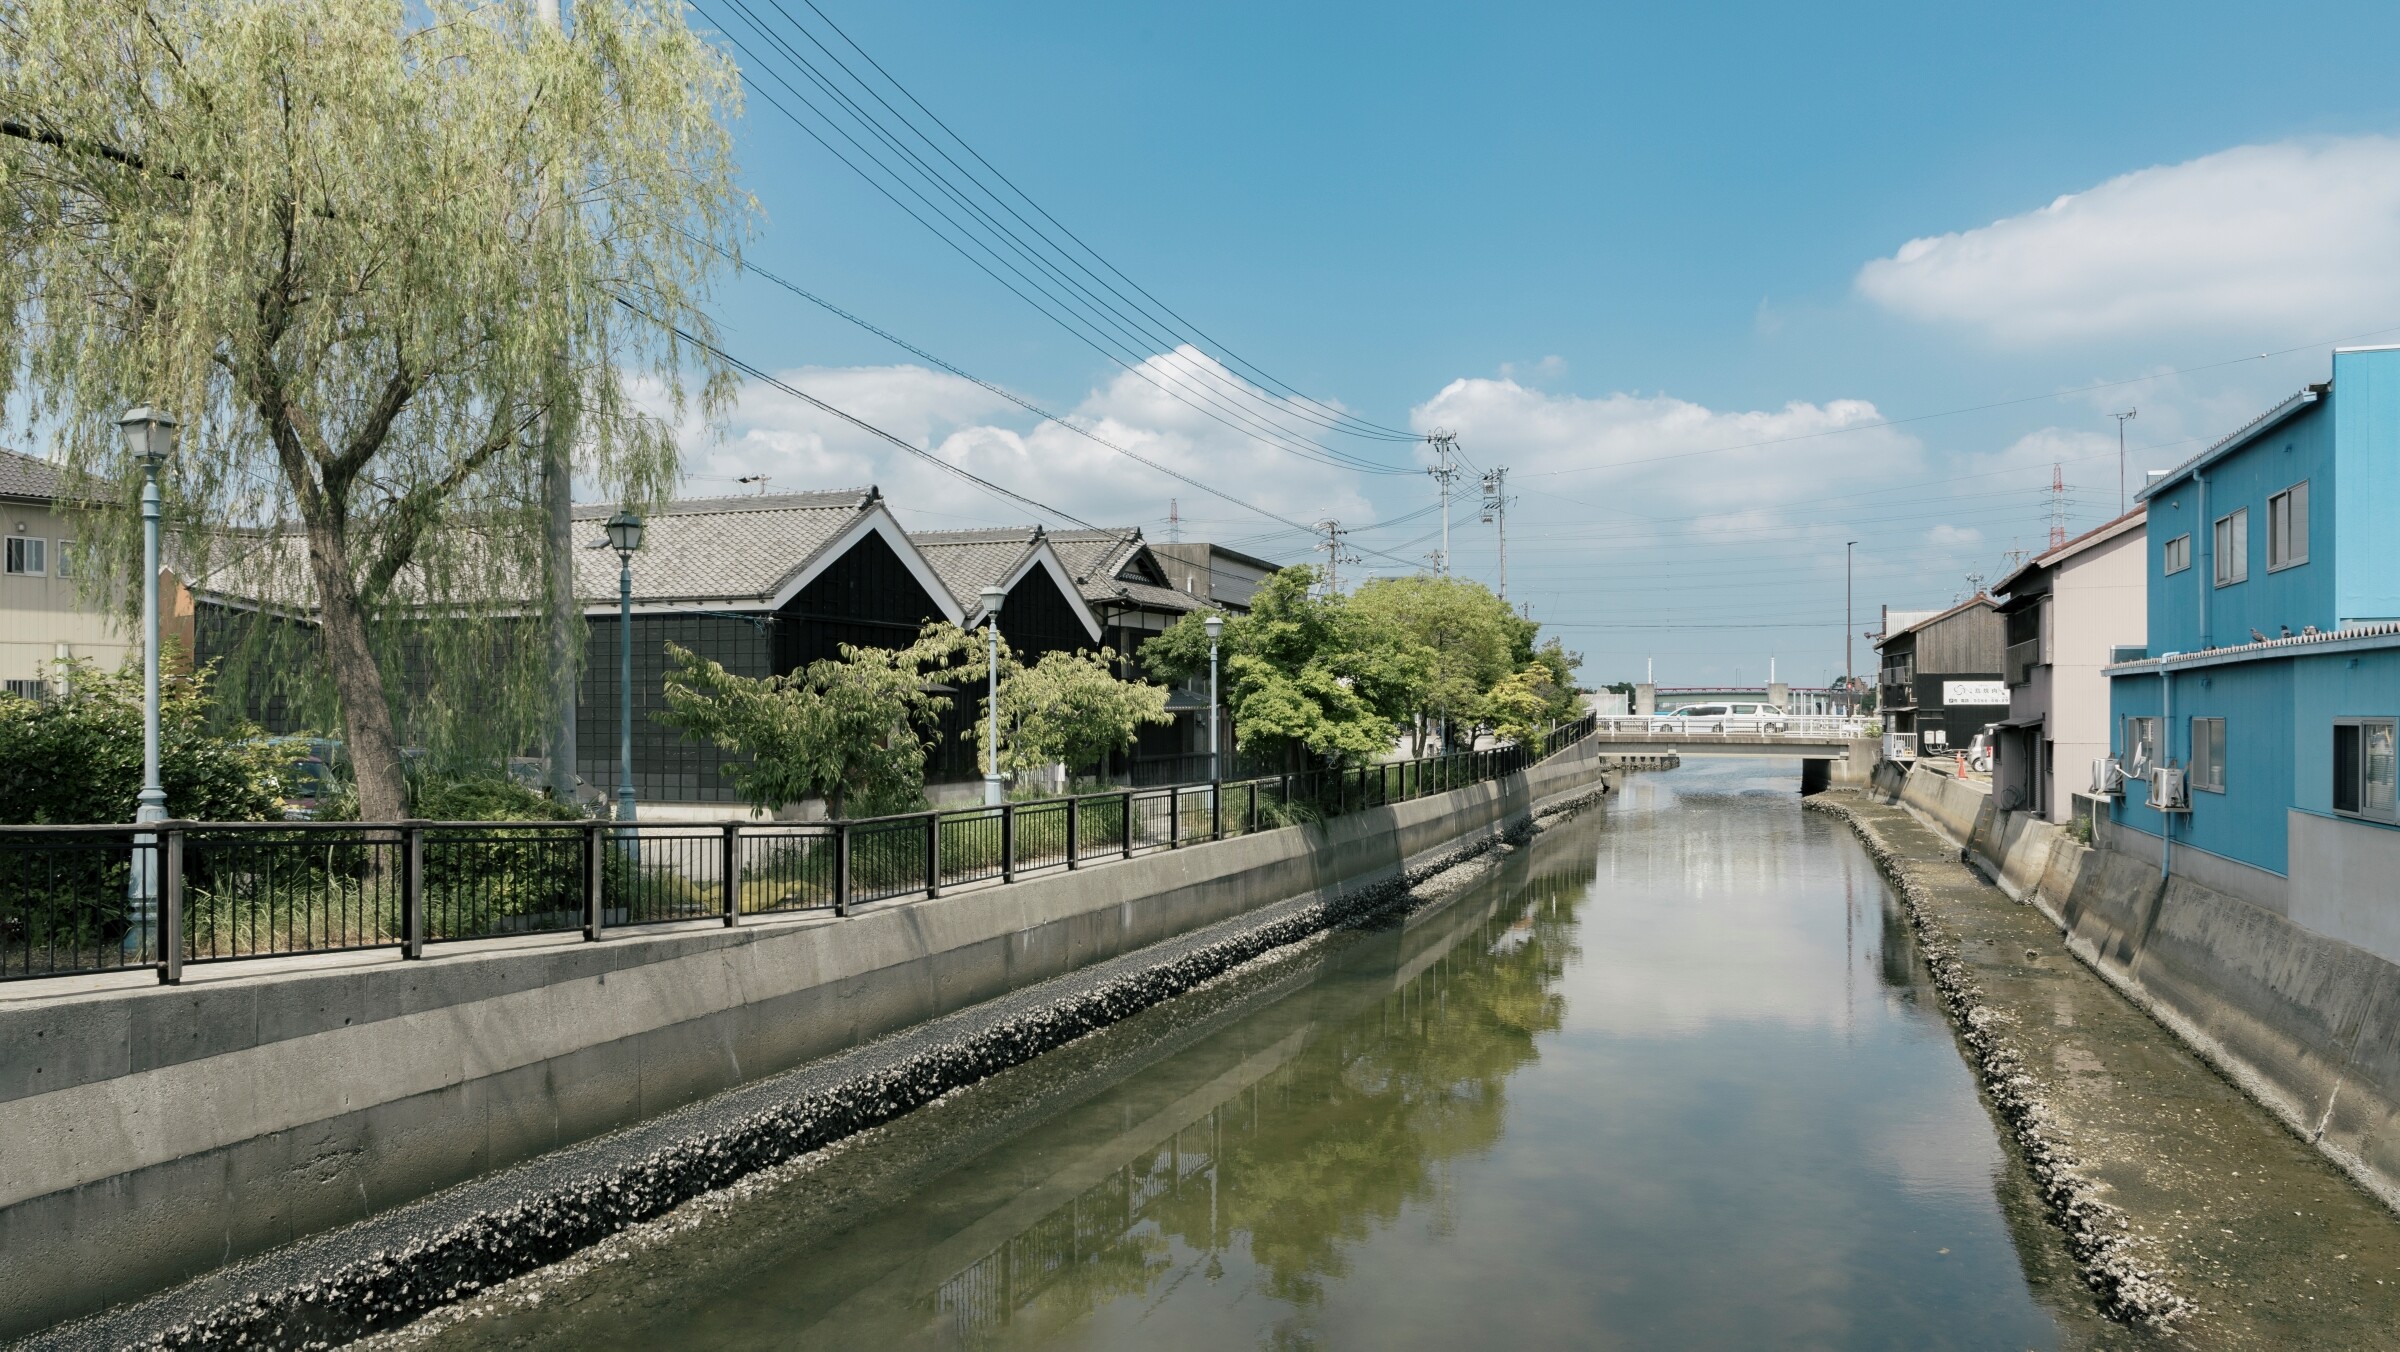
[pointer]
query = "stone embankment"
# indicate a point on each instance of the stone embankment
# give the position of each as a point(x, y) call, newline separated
point(389, 1269)
point(2191, 1214)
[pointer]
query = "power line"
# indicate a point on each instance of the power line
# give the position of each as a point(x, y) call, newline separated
point(1029, 406)
point(1161, 372)
point(1368, 427)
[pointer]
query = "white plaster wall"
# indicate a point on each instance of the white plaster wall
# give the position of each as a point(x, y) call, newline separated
point(2097, 601)
point(40, 616)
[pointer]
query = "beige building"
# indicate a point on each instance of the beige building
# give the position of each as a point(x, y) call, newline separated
point(2065, 610)
point(43, 614)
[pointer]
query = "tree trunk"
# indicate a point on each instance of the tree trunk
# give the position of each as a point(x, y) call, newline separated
point(357, 681)
point(558, 556)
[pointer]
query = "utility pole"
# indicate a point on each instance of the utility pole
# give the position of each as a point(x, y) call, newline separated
point(2058, 496)
point(1335, 555)
point(2121, 417)
point(557, 432)
point(1848, 625)
point(1495, 511)
point(1174, 522)
point(1445, 473)
point(759, 479)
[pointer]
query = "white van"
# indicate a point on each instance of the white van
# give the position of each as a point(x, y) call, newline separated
point(1731, 716)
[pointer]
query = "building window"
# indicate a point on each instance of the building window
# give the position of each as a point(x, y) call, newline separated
point(28, 689)
point(25, 556)
point(2141, 746)
point(2178, 554)
point(2287, 527)
point(66, 558)
point(2364, 765)
point(2233, 547)
point(2208, 754)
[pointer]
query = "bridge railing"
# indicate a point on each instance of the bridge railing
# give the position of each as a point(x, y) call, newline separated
point(89, 899)
point(1739, 727)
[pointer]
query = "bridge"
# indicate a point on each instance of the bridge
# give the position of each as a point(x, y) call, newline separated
point(1820, 743)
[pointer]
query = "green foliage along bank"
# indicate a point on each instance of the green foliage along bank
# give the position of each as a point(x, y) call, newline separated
point(77, 757)
point(1339, 678)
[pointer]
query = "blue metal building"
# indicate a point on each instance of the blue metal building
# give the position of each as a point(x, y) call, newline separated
point(2272, 674)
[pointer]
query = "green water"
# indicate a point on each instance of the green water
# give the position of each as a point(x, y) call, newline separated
point(1671, 1077)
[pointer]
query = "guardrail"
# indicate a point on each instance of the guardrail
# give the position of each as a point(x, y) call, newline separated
point(83, 899)
point(1789, 727)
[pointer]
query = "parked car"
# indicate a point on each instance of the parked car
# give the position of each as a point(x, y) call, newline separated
point(1731, 716)
point(1979, 752)
point(308, 782)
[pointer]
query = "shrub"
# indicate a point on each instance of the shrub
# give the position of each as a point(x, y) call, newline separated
point(77, 757)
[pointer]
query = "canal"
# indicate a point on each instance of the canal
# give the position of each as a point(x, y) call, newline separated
point(1669, 1076)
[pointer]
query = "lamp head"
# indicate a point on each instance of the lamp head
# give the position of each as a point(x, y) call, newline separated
point(624, 531)
point(149, 433)
point(1215, 625)
point(992, 597)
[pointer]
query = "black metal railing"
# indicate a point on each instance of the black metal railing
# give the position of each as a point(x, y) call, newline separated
point(85, 899)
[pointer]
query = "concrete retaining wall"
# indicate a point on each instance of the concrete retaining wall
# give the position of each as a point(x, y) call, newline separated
point(153, 1132)
point(2307, 1025)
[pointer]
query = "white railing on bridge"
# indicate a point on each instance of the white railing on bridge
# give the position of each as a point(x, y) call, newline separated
point(1747, 727)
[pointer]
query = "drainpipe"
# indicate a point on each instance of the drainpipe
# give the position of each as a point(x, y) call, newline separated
point(2166, 739)
point(2204, 578)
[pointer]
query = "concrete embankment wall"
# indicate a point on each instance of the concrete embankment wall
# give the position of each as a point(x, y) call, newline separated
point(152, 1132)
point(2307, 1025)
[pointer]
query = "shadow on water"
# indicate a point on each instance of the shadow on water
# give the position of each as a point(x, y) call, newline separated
point(1669, 1077)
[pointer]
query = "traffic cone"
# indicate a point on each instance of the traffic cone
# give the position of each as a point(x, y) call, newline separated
point(1962, 765)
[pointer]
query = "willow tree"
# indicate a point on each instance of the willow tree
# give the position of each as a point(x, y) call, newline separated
point(364, 249)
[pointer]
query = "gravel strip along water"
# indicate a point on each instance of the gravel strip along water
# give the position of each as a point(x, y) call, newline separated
point(2189, 1210)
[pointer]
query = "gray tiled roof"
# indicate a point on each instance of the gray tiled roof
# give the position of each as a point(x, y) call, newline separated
point(720, 549)
point(1098, 560)
point(967, 561)
point(23, 476)
point(728, 550)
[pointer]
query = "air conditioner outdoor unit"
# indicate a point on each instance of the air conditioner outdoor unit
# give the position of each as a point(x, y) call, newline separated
point(2168, 793)
point(2108, 778)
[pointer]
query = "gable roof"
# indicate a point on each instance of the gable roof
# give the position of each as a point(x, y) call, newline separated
point(28, 478)
point(738, 552)
point(967, 561)
point(1116, 567)
point(2058, 554)
point(1923, 621)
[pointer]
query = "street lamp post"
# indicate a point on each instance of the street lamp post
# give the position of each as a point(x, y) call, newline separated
point(1215, 625)
point(992, 793)
point(624, 536)
point(150, 435)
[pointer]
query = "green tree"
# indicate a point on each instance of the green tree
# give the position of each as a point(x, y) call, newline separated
point(852, 730)
point(362, 248)
point(78, 757)
point(1298, 671)
point(1460, 642)
point(1067, 709)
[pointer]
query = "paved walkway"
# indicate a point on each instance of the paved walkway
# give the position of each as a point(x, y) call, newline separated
point(2271, 1245)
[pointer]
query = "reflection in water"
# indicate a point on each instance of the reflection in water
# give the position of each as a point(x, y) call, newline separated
point(1665, 1080)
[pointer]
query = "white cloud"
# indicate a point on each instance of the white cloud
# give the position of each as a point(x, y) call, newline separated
point(1953, 538)
point(2285, 239)
point(1678, 454)
point(802, 448)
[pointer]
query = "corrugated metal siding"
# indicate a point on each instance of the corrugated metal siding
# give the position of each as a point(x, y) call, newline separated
point(1972, 640)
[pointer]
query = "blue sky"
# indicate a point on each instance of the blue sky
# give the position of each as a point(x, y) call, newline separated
point(1604, 244)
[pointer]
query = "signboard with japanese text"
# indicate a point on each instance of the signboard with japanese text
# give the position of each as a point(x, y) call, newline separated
point(1974, 692)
